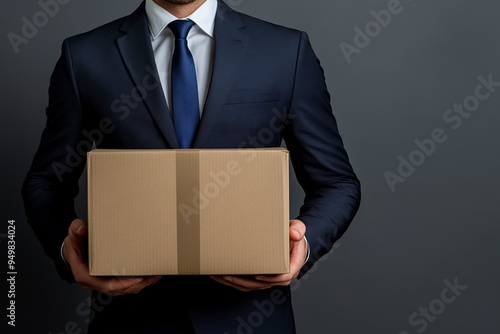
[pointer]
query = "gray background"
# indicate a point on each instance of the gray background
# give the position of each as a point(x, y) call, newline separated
point(440, 224)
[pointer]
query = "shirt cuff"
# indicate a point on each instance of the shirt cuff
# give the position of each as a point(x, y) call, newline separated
point(68, 274)
point(62, 256)
point(308, 250)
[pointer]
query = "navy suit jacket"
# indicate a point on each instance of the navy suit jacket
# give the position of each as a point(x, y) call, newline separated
point(267, 85)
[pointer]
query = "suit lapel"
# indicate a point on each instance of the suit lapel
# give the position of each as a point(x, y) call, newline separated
point(137, 54)
point(230, 46)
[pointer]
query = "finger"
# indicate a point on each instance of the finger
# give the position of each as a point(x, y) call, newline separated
point(297, 257)
point(223, 281)
point(219, 279)
point(282, 279)
point(136, 288)
point(78, 227)
point(227, 283)
point(104, 284)
point(298, 254)
point(145, 283)
point(297, 230)
point(247, 282)
point(230, 284)
point(115, 284)
point(74, 256)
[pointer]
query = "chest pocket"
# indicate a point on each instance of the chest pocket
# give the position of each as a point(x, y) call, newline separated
point(252, 96)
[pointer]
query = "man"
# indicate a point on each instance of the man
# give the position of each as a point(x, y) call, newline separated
point(113, 87)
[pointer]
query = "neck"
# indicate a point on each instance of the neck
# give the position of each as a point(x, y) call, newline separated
point(180, 8)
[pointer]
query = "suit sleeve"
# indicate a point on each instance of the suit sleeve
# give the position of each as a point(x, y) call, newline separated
point(51, 183)
point(321, 164)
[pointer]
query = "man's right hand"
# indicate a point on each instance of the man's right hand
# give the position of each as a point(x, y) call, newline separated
point(74, 252)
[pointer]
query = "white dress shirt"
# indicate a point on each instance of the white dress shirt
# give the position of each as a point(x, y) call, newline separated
point(200, 42)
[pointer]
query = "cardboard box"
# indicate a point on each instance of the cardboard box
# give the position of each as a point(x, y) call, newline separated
point(188, 212)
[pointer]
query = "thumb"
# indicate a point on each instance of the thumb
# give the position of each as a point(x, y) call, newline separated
point(78, 237)
point(78, 227)
point(297, 230)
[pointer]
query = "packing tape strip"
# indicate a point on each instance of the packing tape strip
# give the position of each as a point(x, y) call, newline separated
point(188, 226)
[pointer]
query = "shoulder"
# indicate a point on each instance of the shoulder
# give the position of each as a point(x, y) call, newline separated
point(260, 25)
point(106, 34)
point(260, 30)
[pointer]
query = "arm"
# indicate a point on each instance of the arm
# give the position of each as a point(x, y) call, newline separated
point(323, 170)
point(51, 186)
point(321, 164)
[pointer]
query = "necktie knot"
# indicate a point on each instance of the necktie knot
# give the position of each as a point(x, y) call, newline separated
point(180, 28)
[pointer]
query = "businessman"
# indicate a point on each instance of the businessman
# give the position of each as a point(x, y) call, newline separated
point(180, 74)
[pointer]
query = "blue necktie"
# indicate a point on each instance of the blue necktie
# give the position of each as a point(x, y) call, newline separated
point(184, 89)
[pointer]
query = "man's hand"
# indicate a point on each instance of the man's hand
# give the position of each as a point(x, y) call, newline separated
point(298, 253)
point(74, 252)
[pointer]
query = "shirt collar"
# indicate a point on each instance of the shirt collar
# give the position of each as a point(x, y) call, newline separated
point(159, 18)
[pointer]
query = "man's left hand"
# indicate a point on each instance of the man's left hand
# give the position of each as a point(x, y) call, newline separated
point(298, 253)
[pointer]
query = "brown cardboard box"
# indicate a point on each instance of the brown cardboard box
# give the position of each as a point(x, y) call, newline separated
point(188, 212)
